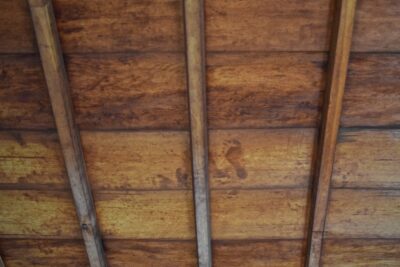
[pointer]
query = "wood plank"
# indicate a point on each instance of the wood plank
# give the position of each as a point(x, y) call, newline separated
point(57, 84)
point(267, 25)
point(367, 159)
point(129, 91)
point(361, 252)
point(44, 253)
point(241, 159)
point(24, 100)
point(377, 26)
point(244, 91)
point(99, 26)
point(196, 82)
point(273, 158)
point(47, 252)
point(363, 214)
point(254, 90)
point(131, 26)
point(236, 214)
point(372, 96)
point(277, 253)
point(31, 159)
point(341, 43)
point(243, 214)
point(37, 213)
point(16, 28)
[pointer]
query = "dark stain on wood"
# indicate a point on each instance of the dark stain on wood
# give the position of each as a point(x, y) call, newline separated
point(234, 156)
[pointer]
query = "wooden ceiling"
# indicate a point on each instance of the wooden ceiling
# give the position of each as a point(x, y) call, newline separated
point(290, 115)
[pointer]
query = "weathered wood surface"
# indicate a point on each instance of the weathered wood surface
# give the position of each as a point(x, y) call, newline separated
point(244, 91)
point(240, 159)
point(57, 84)
point(37, 213)
point(377, 26)
point(277, 253)
point(120, 253)
point(130, 26)
point(259, 253)
point(31, 159)
point(363, 214)
point(24, 100)
point(236, 214)
point(372, 92)
point(330, 121)
point(367, 159)
point(361, 252)
point(44, 253)
point(129, 91)
point(252, 90)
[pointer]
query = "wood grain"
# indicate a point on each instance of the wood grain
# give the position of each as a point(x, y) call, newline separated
point(236, 214)
point(38, 213)
point(372, 92)
point(24, 99)
point(261, 158)
point(377, 26)
point(16, 28)
point(129, 91)
point(196, 83)
point(267, 25)
point(361, 252)
point(363, 214)
point(277, 253)
point(120, 252)
point(339, 57)
point(273, 158)
point(367, 159)
point(130, 26)
point(31, 159)
point(45, 252)
point(57, 84)
point(253, 90)
point(241, 214)
point(148, 91)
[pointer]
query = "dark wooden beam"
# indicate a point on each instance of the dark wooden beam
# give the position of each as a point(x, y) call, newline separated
point(339, 58)
point(195, 55)
point(57, 84)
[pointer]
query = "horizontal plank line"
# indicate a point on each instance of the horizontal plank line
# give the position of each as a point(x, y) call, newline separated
point(360, 128)
point(56, 188)
point(356, 188)
point(209, 52)
point(362, 238)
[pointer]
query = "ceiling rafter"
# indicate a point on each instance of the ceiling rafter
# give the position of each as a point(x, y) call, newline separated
point(58, 87)
point(339, 58)
point(196, 82)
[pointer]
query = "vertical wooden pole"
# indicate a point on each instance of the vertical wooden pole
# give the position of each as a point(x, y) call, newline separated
point(195, 56)
point(57, 84)
point(339, 58)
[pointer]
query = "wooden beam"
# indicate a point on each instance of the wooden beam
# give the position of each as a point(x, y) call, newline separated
point(195, 56)
point(339, 58)
point(57, 84)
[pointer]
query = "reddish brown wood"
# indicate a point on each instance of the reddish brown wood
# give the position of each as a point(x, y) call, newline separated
point(57, 84)
point(330, 126)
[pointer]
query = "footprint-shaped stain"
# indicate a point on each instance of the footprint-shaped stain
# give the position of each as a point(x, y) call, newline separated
point(234, 155)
